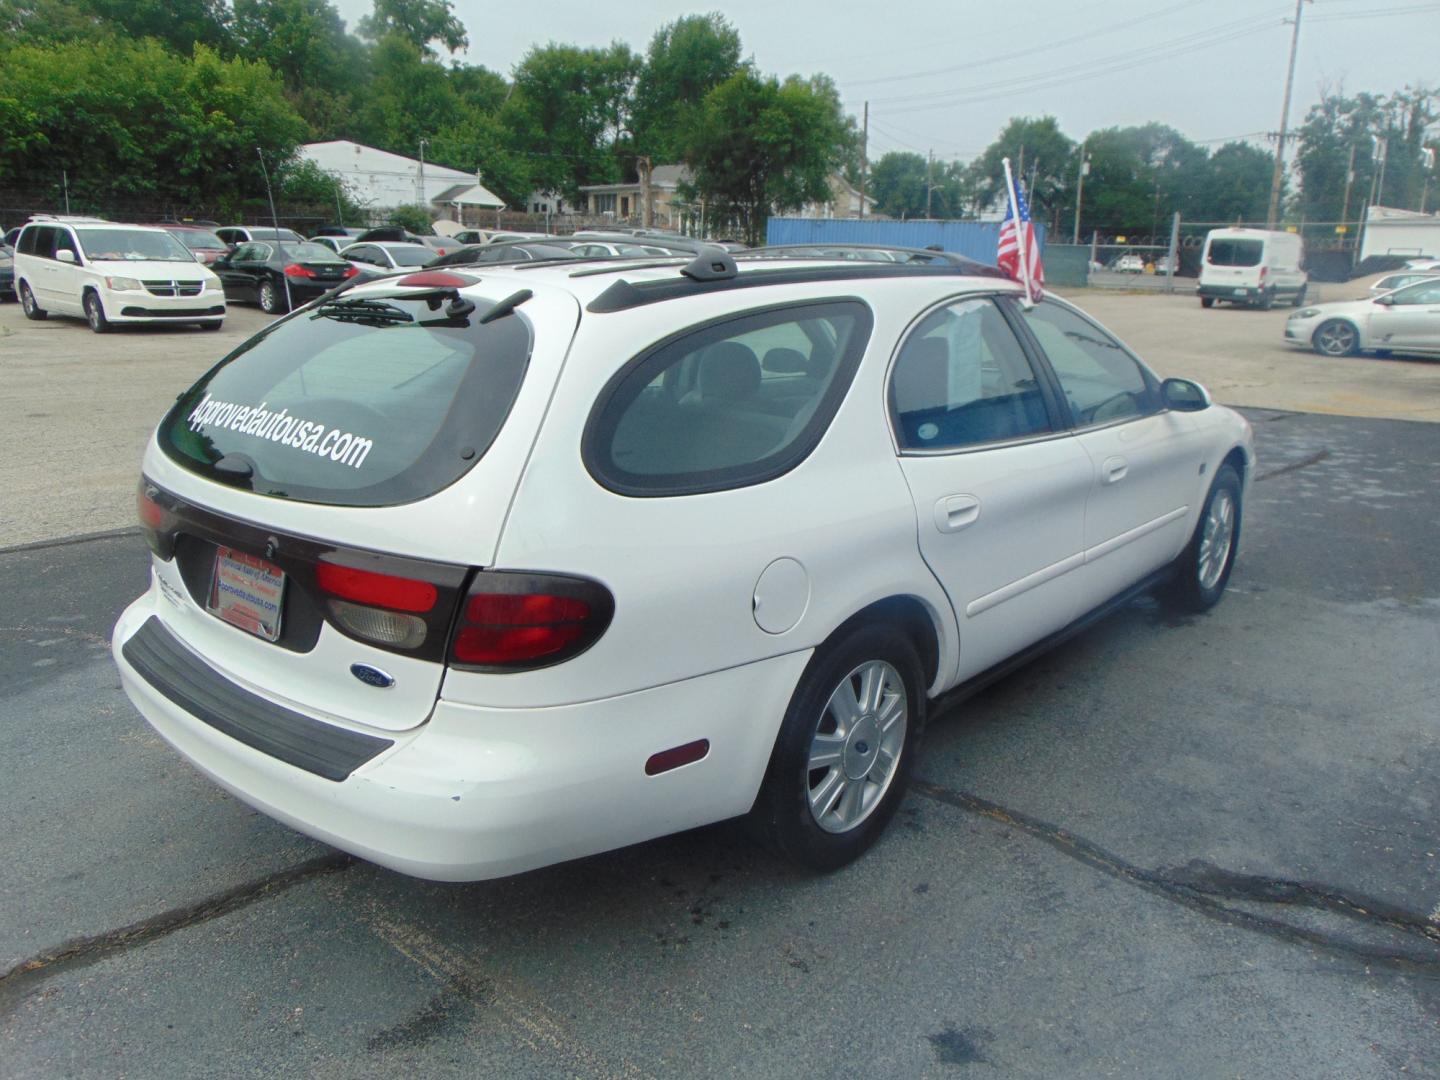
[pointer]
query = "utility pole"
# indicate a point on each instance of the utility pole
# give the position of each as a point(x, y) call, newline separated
point(1084, 171)
point(1273, 213)
point(864, 155)
point(1349, 180)
point(1382, 150)
point(1427, 156)
point(420, 175)
point(929, 187)
point(65, 182)
point(643, 167)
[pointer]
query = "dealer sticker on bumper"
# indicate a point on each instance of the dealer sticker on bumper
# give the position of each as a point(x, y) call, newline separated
point(247, 592)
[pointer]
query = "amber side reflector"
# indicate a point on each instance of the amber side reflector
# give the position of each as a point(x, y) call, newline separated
point(676, 756)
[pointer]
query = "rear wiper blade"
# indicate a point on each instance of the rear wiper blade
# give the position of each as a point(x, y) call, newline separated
point(362, 310)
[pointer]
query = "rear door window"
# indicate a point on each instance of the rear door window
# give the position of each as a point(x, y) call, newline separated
point(734, 402)
point(365, 401)
point(1236, 252)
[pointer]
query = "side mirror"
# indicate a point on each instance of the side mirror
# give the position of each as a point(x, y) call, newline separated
point(1385, 301)
point(1182, 395)
point(65, 255)
point(223, 260)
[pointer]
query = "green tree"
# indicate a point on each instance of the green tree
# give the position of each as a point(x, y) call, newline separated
point(1236, 187)
point(898, 184)
point(759, 147)
point(686, 59)
point(129, 119)
point(301, 182)
point(1140, 176)
point(415, 219)
point(1338, 123)
point(420, 22)
point(567, 113)
point(1041, 156)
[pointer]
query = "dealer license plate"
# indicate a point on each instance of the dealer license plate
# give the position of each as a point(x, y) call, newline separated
point(247, 592)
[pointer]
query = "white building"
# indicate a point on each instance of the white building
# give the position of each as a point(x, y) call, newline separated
point(380, 180)
point(1400, 232)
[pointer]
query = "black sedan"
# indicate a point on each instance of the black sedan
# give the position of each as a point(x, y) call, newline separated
point(474, 254)
point(279, 276)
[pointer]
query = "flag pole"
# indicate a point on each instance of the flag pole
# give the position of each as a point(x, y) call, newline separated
point(1022, 241)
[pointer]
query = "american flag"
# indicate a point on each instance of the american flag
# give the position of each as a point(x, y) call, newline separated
point(1011, 237)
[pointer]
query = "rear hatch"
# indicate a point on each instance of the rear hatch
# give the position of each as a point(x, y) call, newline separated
point(320, 499)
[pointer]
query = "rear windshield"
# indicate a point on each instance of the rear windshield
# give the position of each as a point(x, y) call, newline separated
point(411, 254)
point(312, 252)
point(132, 245)
point(1235, 252)
point(272, 234)
point(199, 240)
point(365, 401)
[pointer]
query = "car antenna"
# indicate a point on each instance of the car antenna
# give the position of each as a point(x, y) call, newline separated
point(506, 306)
point(275, 220)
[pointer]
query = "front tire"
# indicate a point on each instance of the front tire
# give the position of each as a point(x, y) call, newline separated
point(27, 302)
point(1207, 301)
point(1336, 338)
point(95, 313)
point(1203, 569)
point(846, 749)
point(272, 301)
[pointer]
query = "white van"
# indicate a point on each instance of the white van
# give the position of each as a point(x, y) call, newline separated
point(106, 273)
point(1254, 267)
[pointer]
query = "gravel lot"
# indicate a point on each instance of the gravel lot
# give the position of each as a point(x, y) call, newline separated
point(81, 407)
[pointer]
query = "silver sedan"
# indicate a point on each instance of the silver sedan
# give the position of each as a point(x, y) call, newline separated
point(1406, 320)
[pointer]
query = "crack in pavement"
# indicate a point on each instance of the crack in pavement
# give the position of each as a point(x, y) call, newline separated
point(20, 980)
point(1203, 888)
point(1303, 463)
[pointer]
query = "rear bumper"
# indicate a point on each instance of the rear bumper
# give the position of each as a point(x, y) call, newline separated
point(1244, 293)
point(478, 793)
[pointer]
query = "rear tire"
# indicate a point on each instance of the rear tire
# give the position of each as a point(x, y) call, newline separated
point(95, 313)
point(211, 325)
point(272, 301)
point(27, 302)
point(1203, 569)
point(1299, 296)
point(1266, 301)
point(1207, 301)
point(845, 751)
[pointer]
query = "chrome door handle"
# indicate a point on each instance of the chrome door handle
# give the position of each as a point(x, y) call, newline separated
point(954, 512)
point(1114, 470)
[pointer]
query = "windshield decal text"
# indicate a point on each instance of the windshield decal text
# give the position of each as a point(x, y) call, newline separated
point(281, 427)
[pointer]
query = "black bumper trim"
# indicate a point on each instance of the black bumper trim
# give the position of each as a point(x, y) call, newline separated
point(133, 311)
point(205, 694)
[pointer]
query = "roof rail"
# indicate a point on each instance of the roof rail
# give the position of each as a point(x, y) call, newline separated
point(623, 295)
point(71, 219)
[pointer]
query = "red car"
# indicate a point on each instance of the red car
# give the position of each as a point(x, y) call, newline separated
point(202, 242)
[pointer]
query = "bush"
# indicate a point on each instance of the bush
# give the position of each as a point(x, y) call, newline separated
point(414, 218)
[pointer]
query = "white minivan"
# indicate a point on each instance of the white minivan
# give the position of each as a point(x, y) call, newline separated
point(108, 273)
point(1254, 267)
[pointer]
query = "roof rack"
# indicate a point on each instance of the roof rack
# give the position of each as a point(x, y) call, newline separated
point(71, 219)
point(624, 295)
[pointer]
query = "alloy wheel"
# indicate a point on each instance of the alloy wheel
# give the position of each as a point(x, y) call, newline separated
point(856, 746)
point(1216, 539)
point(1335, 339)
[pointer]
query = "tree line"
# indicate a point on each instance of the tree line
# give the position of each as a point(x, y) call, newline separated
point(1137, 177)
point(167, 101)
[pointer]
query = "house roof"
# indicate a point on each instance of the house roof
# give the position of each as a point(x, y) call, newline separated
point(665, 177)
point(343, 153)
point(468, 194)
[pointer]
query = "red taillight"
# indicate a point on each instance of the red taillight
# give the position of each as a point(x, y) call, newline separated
point(514, 622)
point(1262, 273)
point(375, 589)
point(350, 271)
point(152, 514)
point(296, 270)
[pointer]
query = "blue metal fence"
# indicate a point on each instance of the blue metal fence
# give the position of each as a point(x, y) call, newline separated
point(973, 239)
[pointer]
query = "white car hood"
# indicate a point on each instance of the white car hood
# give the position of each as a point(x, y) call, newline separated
point(1363, 306)
point(147, 270)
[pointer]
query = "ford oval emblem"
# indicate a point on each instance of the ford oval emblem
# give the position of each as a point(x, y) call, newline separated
point(371, 676)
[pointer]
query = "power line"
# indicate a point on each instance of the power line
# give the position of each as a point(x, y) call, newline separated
point(1091, 69)
point(1003, 57)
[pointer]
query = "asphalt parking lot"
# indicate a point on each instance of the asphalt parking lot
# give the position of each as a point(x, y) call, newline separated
point(1172, 847)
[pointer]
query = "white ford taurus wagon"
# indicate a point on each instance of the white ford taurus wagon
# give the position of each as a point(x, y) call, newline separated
point(469, 573)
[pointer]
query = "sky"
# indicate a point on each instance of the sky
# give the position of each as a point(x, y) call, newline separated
point(945, 75)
